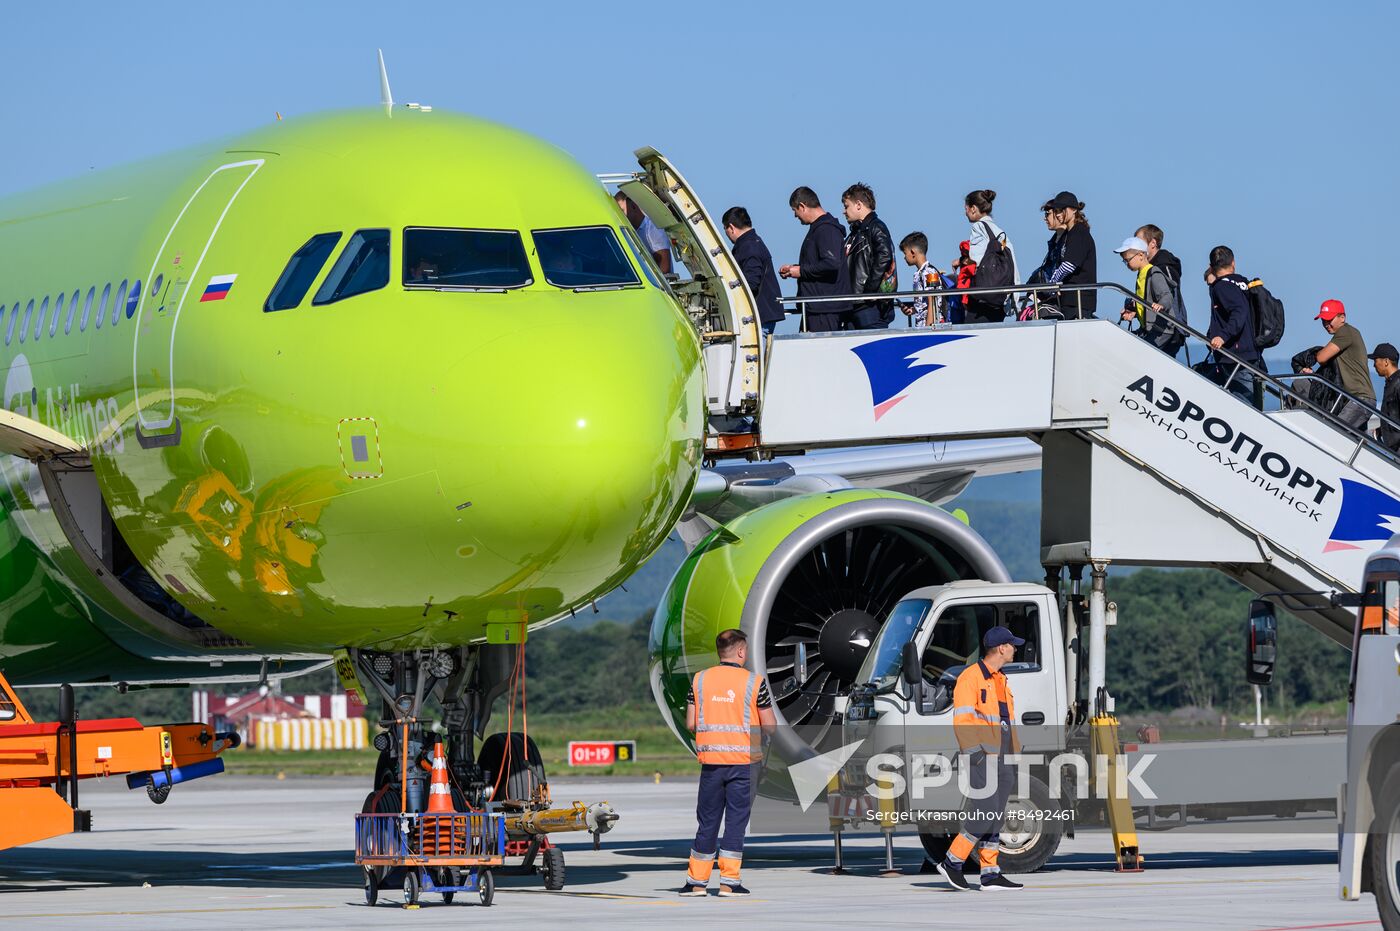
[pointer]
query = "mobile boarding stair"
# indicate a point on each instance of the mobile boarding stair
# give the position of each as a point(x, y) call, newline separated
point(1144, 461)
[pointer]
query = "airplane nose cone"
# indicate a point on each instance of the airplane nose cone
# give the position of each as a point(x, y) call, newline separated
point(577, 450)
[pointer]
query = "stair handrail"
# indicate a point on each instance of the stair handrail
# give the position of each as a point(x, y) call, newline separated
point(1279, 388)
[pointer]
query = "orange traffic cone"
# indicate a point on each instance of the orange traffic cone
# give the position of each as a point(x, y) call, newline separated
point(439, 792)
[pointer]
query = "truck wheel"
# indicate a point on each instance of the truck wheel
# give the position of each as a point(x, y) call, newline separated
point(1384, 852)
point(553, 869)
point(1029, 838)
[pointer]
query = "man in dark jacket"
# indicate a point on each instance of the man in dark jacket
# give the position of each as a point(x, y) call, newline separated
point(869, 257)
point(756, 262)
point(821, 263)
point(1387, 362)
point(1232, 321)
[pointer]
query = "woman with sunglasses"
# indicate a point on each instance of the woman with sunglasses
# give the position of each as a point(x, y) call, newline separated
point(1070, 258)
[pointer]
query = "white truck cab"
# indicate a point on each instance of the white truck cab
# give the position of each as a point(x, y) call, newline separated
point(938, 631)
point(945, 624)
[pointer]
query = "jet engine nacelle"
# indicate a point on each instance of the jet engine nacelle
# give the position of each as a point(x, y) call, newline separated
point(819, 569)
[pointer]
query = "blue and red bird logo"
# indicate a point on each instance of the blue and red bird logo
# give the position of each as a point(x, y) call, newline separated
point(1368, 515)
point(894, 363)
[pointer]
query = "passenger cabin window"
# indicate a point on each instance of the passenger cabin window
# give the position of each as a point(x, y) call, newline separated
point(14, 318)
point(24, 324)
point(101, 308)
point(957, 637)
point(302, 269)
point(133, 298)
point(363, 266)
point(584, 258)
point(87, 309)
point(39, 320)
point(58, 312)
point(452, 259)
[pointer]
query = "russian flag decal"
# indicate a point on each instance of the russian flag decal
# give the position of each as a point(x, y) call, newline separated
point(218, 288)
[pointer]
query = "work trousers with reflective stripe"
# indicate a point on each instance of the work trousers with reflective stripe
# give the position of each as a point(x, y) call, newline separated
point(726, 792)
point(982, 817)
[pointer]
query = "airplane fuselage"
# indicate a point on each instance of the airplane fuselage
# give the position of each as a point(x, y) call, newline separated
point(391, 461)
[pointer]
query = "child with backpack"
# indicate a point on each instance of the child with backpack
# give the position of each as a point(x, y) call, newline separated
point(1155, 288)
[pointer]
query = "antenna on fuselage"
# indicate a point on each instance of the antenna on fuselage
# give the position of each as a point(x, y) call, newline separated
point(386, 96)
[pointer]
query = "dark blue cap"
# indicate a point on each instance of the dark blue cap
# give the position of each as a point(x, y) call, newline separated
point(999, 635)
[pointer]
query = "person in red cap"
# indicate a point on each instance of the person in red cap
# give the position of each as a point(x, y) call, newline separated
point(1348, 348)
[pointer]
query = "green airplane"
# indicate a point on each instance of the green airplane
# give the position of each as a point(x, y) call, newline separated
point(396, 386)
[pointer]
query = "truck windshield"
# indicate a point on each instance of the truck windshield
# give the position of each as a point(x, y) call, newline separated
point(881, 666)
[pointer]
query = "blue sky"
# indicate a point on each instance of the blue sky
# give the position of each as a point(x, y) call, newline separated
point(1268, 126)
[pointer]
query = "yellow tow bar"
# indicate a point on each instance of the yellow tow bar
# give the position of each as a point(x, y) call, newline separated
point(1103, 732)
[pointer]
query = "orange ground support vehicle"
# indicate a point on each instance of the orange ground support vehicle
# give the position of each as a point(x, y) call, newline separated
point(42, 763)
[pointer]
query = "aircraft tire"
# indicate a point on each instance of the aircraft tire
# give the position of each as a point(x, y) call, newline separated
point(1384, 852)
point(525, 764)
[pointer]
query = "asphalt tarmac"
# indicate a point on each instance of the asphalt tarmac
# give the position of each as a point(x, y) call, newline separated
point(255, 852)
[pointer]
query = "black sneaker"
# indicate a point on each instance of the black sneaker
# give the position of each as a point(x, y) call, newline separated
point(997, 882)
point(726, 890)
point(954, 875)
point(693, 889)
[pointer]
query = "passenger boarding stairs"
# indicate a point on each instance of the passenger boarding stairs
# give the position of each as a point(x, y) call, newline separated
point(1144, 461)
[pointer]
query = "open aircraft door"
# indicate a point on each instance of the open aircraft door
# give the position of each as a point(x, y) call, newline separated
point(717, 298)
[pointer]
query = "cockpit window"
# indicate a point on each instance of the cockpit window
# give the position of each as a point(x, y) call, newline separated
point(362, 266)
point(302, 269)
point(647, 263)
point(583, 258)
point(452, 259)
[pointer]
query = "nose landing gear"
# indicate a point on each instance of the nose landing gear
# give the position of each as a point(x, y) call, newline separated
point(506, 776)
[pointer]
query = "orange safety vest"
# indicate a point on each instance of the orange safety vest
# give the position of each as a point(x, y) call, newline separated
point(977, 711)
point(726, 715)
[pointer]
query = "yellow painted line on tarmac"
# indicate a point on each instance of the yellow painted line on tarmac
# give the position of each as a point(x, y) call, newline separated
point(1135, 883)
point(615, 896)
point(175, 911)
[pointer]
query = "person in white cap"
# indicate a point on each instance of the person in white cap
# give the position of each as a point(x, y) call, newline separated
point(1154, 288)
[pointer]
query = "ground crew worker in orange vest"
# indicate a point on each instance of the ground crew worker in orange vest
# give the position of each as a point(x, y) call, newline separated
point(727, 706)
point(983, 711)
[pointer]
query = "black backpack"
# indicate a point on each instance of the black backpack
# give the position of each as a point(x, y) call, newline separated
point(1268, 315)
point(996, 268)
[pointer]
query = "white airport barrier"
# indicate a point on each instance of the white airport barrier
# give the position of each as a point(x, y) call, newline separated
point(313, 734)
